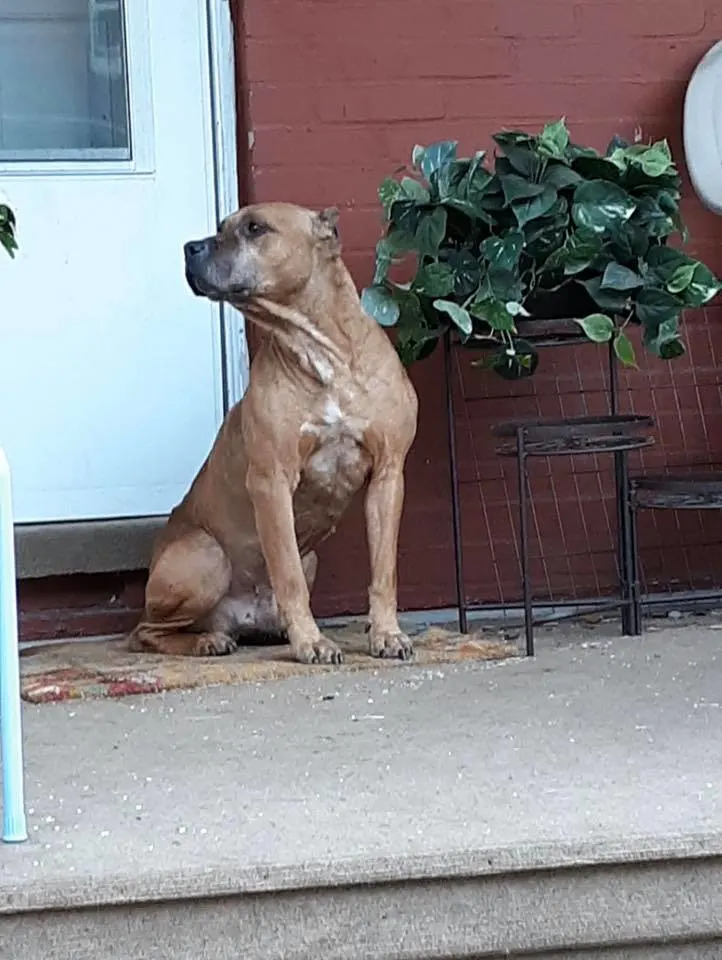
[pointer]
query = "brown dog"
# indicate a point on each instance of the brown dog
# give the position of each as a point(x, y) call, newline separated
point(329, 410)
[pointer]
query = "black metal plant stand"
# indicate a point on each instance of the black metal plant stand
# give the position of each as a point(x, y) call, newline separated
point(586, 435)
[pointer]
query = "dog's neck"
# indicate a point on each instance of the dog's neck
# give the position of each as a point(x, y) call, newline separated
point(321, 330)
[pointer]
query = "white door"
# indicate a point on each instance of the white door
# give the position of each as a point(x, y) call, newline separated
point(111, 386)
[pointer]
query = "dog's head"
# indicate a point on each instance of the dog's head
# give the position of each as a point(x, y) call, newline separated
point(268, 250)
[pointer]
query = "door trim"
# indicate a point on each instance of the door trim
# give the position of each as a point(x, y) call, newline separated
point(101, 546)
point(221, 48)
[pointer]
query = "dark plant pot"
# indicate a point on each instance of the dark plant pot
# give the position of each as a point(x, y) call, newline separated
point(568, 302)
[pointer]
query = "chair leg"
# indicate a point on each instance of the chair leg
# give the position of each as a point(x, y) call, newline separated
point(635, 595)
point(624, 544)
point(524, 541)
point(454, 483)
point(14, 828)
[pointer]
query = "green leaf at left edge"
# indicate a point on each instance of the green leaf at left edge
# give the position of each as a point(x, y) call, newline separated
point(624, 350)
point(600, 205)
point(379, 303)
point(8, 241)
point(430, 232)
point(459, 317)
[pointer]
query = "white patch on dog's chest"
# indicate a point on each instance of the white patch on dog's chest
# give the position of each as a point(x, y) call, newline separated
point(339, 464)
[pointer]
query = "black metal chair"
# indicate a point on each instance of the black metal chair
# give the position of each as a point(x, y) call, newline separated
point(616, 434)
point(690, 491)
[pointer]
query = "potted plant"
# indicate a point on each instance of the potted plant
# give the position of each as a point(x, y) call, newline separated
point(547, 229)
point(7, 227)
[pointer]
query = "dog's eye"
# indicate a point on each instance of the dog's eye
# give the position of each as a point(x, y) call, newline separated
point(252, 228)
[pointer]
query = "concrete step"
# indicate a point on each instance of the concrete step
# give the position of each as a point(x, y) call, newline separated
point(666, 907)
point(566, 807)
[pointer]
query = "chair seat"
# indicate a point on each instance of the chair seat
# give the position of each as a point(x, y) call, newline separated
point(701, 491)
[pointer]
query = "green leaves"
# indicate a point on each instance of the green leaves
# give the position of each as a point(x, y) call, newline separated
point(681, 278)
point(378, 302)
point(703, 287)
point(601, 329)
point(503, 252)
point(554, 140)
point(617, 277)
point(515, 361)
point(459, 317)
point(598, 327)
point(527, 210)
point(7, 229)
point(389, 191)
point(664, 340)
point(434, 280)
point(600, 206)
point(413, 190)
point(430, 232)
point(624, 350)
point(547, 228)
point(430, 160)
point(494, 313)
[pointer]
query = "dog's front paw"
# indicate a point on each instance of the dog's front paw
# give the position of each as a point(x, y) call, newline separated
point(390, 645)
point(318, 650)
point(215, 645)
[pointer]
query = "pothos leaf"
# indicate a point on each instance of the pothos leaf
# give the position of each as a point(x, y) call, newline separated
point(598, 327)
point(378, 302)
point(624, 350)
point(458, 315)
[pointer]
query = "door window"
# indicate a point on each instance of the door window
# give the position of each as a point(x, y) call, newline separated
point(63, 81)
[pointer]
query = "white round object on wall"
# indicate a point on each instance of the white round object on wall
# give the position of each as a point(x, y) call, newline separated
point(703, 129)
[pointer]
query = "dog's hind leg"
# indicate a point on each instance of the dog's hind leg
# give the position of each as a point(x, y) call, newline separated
point(187, 581)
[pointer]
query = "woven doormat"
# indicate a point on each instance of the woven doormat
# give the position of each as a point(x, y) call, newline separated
point(83, 670)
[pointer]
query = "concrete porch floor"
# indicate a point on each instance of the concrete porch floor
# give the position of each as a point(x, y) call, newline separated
point(569, 803)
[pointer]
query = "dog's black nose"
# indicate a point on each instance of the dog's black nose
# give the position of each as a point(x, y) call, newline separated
point(195, 248)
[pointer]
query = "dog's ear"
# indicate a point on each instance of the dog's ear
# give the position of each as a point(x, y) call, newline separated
point(326, 230)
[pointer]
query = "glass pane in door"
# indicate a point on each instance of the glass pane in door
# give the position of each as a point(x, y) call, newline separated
point(63, 81)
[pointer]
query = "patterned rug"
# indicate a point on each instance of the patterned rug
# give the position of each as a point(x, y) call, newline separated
point(83, 670)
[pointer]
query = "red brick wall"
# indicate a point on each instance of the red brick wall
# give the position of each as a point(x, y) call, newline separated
point(335, 95)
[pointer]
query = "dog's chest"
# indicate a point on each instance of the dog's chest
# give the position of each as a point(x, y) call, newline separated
point(339, 464)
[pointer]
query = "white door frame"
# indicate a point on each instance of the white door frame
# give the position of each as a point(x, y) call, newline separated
point(221, 48)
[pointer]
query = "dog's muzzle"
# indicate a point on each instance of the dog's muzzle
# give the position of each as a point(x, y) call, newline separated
point(196, 253)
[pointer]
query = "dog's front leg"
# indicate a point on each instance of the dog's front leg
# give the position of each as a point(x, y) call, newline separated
point(384, 503)
point(272, 499)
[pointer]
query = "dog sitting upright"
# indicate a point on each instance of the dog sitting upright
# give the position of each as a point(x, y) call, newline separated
point(329, 410)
